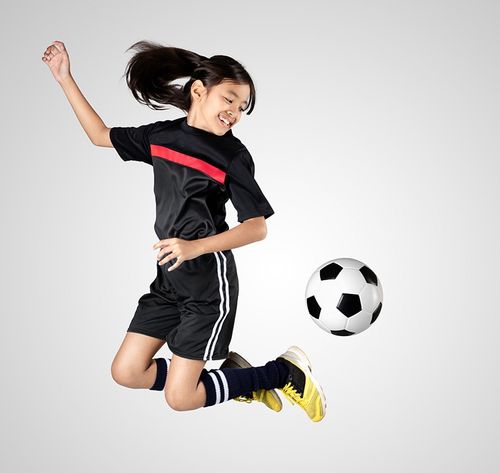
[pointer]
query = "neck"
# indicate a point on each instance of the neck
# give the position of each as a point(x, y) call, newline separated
point(193, 119)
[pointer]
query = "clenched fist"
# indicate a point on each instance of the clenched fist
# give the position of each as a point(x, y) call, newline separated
point(57, 58)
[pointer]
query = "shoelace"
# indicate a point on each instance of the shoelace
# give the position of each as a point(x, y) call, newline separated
point(292, 395)
point(243, 399)
point(248, 399)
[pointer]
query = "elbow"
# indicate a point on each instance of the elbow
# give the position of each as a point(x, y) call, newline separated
point(102, 138)
point(262, 233)
point(97, 142)
point(257, 228)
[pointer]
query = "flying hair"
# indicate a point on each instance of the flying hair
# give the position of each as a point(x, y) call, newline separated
point(153, 67)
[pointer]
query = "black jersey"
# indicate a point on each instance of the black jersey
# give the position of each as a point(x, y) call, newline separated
point(195, 173)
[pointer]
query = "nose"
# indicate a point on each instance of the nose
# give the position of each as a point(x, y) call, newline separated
point(232, 115)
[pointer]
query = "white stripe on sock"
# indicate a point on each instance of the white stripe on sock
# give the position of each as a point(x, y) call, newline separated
point(217, 387)
point(221, 384)
point(225, 384)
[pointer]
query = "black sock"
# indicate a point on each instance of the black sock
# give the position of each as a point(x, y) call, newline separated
point(228, 383)
point(161, 374)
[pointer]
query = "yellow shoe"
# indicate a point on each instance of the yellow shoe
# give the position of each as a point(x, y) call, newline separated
point(301, 387)
point(269, 397)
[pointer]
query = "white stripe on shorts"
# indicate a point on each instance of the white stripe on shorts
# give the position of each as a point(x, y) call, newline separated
point(224, 310)
point(224, 298)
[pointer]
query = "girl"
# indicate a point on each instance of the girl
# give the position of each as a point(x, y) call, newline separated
point(198, 165)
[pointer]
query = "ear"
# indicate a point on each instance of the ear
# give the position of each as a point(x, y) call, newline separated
point(198, 90)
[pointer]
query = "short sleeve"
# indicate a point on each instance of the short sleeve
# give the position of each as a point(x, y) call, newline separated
point(132, 143)
point(244, 192)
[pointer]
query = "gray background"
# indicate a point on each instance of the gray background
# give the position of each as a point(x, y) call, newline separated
point(374, 138)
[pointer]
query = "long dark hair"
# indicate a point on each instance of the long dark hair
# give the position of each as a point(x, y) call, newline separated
point(153, 67)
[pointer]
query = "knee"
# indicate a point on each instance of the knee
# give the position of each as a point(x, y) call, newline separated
point(177, 400)
point(123, 374)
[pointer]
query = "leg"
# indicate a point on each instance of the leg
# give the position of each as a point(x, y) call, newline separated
point(184, 391)
point(269, 397)
point(290, 372)
point(133, 365)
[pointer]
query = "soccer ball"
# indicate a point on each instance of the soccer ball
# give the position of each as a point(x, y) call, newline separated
point(344, 296)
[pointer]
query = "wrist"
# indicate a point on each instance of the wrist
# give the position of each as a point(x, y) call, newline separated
point(66, 81)
point(200, 246)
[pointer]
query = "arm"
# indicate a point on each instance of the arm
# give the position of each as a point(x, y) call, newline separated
point(57, 58)
point(251, 230)
point(91, 122)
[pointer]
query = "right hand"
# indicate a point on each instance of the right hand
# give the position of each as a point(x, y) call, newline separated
point(56, 57)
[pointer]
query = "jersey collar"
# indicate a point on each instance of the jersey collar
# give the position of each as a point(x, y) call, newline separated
point(198, 131)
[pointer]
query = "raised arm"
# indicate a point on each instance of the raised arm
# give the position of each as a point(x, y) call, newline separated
point(57, 58)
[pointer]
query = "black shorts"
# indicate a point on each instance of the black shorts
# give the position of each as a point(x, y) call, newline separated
point(192, 307)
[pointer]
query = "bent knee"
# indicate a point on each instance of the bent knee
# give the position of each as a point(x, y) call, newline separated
point(178, 400)
point(124, 374)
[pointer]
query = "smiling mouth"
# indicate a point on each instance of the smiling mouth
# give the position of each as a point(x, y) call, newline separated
point(224, 122)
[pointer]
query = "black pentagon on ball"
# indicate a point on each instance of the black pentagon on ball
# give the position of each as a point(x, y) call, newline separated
point(349, 304)
point(313, 307)
point(369, 275)
point(342, 333)
point(330, 271)
point(376, 312)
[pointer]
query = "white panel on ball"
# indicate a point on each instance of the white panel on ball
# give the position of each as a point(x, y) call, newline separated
point(333, 319)
point(320, 324)
point(349, 263)
point(370, 297)
point(328, 295)
point(359, 322)
point(351, 281)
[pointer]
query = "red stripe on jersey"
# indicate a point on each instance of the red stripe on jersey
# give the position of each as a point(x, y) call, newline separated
point(189, 161)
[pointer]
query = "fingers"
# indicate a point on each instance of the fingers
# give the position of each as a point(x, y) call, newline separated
point(49, 53)
point(164, 251)
point(163, 260)
point(166, 246)
point(162, 243)
point(176, 265)
point(53, 49)
point(169, 247)
point(171, 256)
point(59, 45)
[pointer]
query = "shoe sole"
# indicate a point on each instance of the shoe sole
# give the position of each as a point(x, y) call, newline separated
point(301, 355)
point(240, 361)
point(295, 354)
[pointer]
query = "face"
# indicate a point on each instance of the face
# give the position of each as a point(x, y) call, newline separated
point(219, 109)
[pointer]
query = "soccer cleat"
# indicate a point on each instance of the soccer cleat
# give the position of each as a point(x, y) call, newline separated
point(301, 387)
point(269, 397)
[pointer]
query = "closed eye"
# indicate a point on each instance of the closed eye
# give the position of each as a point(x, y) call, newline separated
point(230, 101)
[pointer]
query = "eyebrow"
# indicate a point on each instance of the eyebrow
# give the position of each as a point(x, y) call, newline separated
point(236, 95)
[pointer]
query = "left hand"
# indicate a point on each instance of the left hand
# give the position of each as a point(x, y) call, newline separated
point(183, 250)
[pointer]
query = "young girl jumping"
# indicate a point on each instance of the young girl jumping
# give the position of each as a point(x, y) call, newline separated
point(198, 166)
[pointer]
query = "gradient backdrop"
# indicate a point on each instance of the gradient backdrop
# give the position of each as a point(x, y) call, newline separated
point(375, 136)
